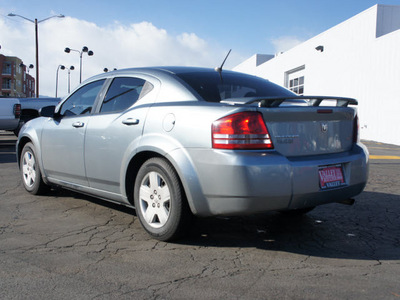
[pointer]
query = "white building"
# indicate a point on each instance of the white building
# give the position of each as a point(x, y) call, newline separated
point(359, 58)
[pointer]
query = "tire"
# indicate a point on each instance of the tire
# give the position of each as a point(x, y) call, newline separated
point(17, 130)
point(160, 201)
point(297, 212)
point(30, 171)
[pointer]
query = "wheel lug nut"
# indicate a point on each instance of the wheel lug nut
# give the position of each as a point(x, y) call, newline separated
point(154, 205)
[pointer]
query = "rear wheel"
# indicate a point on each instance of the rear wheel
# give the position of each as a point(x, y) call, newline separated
point(160, 201)
point(30, 171)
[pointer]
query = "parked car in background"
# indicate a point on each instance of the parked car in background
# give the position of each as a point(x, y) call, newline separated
point(10, 113)
point(15, 112)
point(174, 142)
point(30, 108)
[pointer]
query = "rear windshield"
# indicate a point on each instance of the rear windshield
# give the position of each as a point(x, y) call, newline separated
point(213, 87)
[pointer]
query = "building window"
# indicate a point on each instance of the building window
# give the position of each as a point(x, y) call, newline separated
point(6, 84)
point(7, 68)
point(297, 85)
point(294, 79)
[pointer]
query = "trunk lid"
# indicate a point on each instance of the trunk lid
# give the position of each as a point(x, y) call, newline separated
point(309, 130)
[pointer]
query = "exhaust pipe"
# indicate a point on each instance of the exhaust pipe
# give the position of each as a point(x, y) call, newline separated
point(347, 201)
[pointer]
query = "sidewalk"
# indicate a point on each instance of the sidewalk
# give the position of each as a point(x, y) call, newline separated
point(382, 151)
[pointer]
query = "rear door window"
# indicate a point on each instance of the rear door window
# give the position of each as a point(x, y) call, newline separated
point(123, 93)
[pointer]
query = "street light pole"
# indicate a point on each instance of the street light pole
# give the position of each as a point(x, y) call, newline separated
point(71, 68)
point(36, 22)
point(80, 66)
point(58, 68)
point(37, 58)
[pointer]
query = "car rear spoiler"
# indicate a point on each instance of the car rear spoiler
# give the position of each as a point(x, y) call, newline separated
point(276, 101)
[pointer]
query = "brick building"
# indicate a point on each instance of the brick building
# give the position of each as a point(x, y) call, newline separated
point(14, 80)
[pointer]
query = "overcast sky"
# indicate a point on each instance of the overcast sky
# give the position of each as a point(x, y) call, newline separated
point(133, 33)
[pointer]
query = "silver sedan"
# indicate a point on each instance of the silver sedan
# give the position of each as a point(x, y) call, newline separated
point(174, 142)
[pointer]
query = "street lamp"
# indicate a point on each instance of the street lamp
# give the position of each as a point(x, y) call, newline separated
point(27, 67)
point(105, 70)
point(30, 67)
point(58, 68)
point(36, 22)
point(84, 50)
point(71, 68)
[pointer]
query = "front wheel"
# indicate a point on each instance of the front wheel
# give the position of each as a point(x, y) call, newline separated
point(30, 171)
point(160, 201)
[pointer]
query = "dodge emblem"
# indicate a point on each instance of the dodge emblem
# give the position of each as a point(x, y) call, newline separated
point(324, 127)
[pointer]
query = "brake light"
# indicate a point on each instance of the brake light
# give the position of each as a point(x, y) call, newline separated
point(244, 130)
point(17, 110)
point(356, 130)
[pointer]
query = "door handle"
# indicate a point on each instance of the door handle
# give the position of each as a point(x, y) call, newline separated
point(130, 121)
point(78, 124)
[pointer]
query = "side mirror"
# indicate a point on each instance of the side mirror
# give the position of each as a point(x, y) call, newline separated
point(47, 111)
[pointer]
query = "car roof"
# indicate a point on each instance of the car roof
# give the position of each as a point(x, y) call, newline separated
point(159, 71)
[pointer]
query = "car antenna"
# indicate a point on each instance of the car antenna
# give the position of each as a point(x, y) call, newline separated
point(219, 69)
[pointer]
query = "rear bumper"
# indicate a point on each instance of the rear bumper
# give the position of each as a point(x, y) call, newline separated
point(9, 123)
point(246, 182)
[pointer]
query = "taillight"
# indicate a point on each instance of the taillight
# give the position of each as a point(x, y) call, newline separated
point(356, 130)
point(17, 110)
point(244, 130)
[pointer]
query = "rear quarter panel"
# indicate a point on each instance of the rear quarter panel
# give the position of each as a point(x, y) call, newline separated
point(174, 129)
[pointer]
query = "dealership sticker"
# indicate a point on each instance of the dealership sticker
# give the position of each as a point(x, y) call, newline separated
point(331, 177)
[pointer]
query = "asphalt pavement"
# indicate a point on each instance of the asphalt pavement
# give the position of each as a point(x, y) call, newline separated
point(68, 246)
